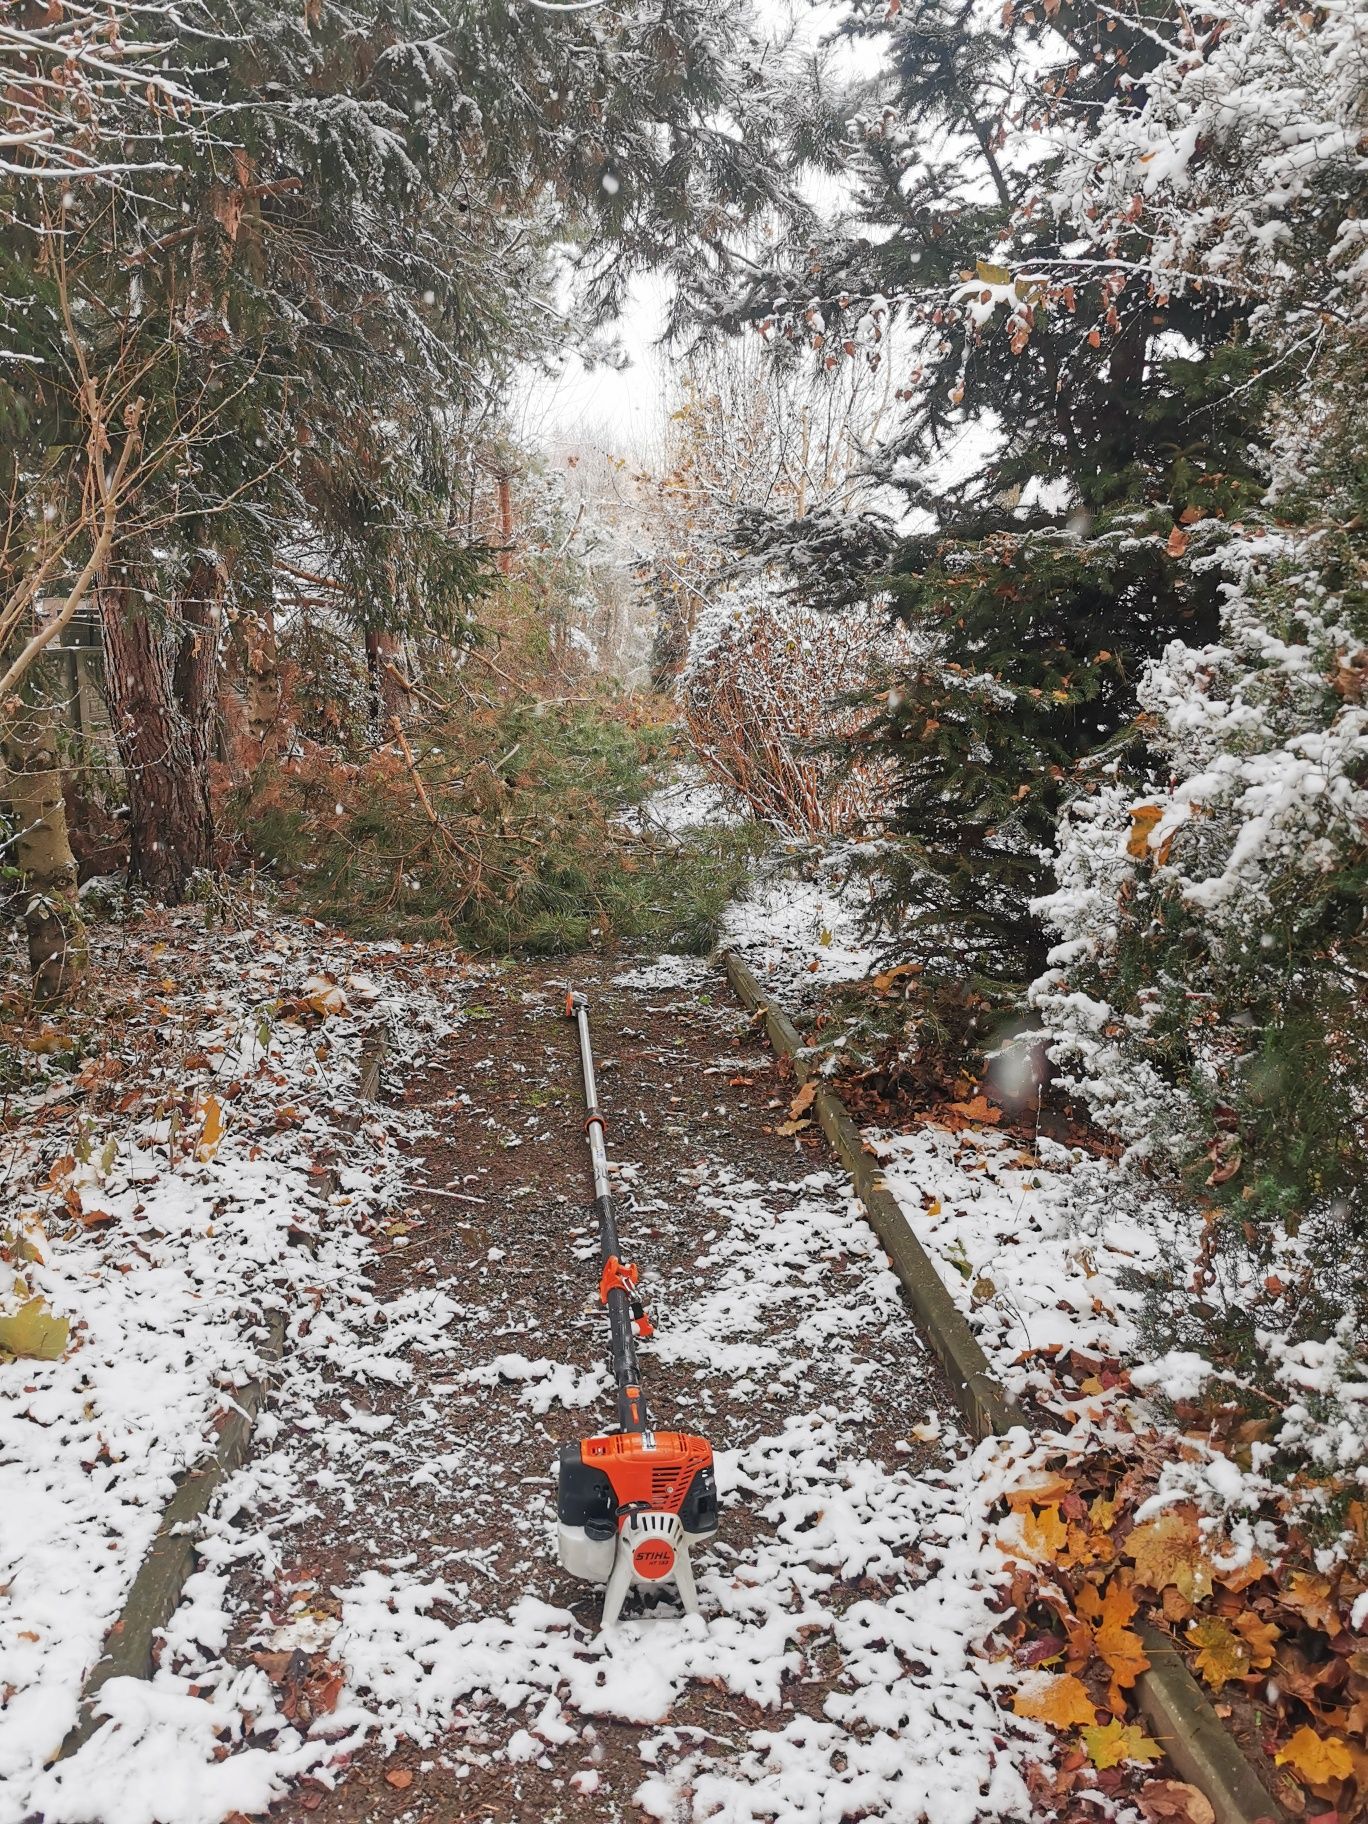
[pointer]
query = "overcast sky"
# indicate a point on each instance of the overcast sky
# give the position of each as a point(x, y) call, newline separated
point(627, 408)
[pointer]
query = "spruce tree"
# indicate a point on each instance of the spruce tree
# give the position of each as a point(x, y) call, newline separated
point(1065, 419)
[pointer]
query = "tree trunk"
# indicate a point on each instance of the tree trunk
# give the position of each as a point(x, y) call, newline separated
point(165, 761)
point(52, 914)
point(250, 709)
point(389, 694)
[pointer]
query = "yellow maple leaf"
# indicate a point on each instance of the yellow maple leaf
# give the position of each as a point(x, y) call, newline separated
point(1043, 1533)
point(1314, 1758)
point(1115, 1742)
point(1166, 1551)
point(1222, 1654)
point(1055, 1698)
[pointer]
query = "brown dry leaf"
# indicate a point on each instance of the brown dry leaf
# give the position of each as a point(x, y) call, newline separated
point(400, 1778)
point(1168, 1550)
point(1057, 1699)
point(1222, 1654)
point(802, 1102)
point(1177, 542)
point(787, 1128)
point(1316, 1759)
point(1175, 1802)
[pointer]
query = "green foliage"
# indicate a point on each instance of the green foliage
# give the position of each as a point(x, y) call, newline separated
point(530, 851)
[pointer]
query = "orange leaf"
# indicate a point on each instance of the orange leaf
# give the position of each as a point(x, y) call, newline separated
point(1107, 1613)
point(1043, 1534)
point(401, 1779)
point(1316, 1759)
point(979, 1109)
point(1142, 820)
point(1056, 1699)
point(214, 1125)
point(1166, 1551)
point(1259, 1637)
point(802, 1101)
point(1177, 542)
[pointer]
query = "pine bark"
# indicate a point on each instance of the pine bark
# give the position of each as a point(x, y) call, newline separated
point(52, 916)
point(165, 757)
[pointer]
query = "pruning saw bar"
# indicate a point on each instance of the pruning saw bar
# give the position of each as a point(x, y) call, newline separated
point(631, 1503)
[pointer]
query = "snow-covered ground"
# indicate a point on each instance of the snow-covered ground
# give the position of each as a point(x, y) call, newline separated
point(799, 928)
point(169, 1197)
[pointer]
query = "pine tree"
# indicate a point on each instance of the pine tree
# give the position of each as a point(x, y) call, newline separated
point(341, 247)
point(1065, 420)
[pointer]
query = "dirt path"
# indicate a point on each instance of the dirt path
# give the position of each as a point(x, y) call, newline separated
point(834, 1670)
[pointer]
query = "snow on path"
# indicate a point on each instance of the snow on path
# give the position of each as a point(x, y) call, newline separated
point(847, 1596)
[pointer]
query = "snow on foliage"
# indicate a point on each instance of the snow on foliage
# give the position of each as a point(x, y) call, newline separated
point(1239, 154)
point(763, 692)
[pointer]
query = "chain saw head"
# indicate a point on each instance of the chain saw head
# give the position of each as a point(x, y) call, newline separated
point(630, 1506)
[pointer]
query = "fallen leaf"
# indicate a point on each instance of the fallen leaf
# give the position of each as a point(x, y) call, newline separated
point(34, 1332)
point(1115, 1742)
point(1107, 1613)
point(1315, 1759)
point(1177, 542)
point(1168, 1550)
point(1259, 1637)
point(1055, 1698)
point(802, 1102)
point(1043, 1534)
point(979, 1109)
point(1174, 1802)
point(1222, 1655)
point(214, 1125)
point(400, 1778)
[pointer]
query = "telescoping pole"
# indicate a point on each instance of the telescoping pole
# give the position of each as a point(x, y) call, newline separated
point(631, 1503)
point(617, 1281)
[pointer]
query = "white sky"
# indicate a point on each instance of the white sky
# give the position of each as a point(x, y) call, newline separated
point(627, 408)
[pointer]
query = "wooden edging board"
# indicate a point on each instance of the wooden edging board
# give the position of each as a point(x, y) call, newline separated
point(155, 1592)
point(1177, 1710)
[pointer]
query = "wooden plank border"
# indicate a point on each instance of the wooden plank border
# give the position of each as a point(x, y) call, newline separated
point(1174, 1705)
point(155, 1592)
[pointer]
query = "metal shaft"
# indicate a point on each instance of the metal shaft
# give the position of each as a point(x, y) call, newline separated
point(631, 1406)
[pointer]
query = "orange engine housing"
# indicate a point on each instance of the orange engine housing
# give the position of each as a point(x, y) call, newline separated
point(664, 1472)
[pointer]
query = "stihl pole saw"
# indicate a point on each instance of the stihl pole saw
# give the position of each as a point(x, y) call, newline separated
point(630, 1503)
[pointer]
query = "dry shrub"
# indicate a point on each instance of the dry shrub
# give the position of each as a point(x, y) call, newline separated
point(771, 694)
